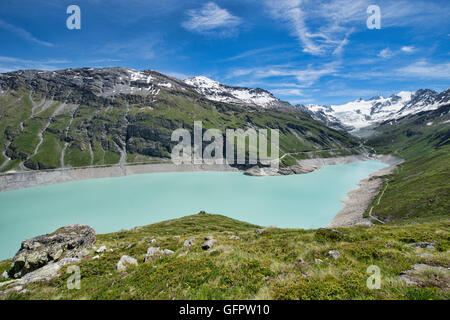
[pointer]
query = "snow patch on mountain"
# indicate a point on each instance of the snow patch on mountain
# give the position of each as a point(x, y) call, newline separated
point(216, 91)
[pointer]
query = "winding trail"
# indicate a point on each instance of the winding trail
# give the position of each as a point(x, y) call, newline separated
point(378, 202)
point(8, 159)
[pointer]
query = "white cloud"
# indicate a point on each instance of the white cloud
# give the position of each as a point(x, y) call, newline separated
point(287, 92)
point(289, 11)
point(211, 18)
point(305, 77)
point(386, 53)
point(424, 70)
point(22, 33)
point(253, 52)
point(11, 64)
point(408, 49)
point(324, 26)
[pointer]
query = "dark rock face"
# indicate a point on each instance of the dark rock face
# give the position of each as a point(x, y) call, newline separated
point(66, 242)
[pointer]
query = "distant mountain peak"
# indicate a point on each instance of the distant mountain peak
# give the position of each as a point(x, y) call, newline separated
point(361, 114)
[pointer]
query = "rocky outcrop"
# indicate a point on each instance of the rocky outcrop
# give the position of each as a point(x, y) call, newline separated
point(297, 169)
point(46, 273)
point(66, 242)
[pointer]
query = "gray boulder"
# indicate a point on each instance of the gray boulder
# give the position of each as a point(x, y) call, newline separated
point(66, 242)
point(259, 231)
point(101, 249)
point(209, 244)
point(234, 238)
point(152, 252)
point(5, 275)
point(422, 245)
point(334, 254)
point(189, 242)
point(125, 262)
point(168, 252)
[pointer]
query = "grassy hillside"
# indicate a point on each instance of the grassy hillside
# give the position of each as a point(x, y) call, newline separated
point(421, 185)
point(277, 264)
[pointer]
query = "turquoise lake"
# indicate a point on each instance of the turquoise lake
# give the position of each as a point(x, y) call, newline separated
point(111, 204)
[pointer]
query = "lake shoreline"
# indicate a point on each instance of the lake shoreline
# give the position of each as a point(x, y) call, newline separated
point(358, 200)
point(28, 179)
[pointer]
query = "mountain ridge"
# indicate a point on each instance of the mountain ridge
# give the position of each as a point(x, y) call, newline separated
point(361, 114)
point(109, 116)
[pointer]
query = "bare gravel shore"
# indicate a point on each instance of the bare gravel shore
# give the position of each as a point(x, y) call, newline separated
point(359, 199)
point(28, 179)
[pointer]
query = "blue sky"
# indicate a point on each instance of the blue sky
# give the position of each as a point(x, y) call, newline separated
point(304, 51)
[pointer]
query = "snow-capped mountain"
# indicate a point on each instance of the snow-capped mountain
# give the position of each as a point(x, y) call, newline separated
point(216, 91)
point(359, 114)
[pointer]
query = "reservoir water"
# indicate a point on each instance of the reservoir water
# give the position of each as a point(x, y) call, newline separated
point(111, 204)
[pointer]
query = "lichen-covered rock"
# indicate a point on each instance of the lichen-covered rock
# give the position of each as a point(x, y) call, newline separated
point(66, 242)
point(125, 262)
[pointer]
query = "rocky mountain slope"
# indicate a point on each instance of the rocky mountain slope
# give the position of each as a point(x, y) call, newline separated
point(90, 117)
point(362, 114)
